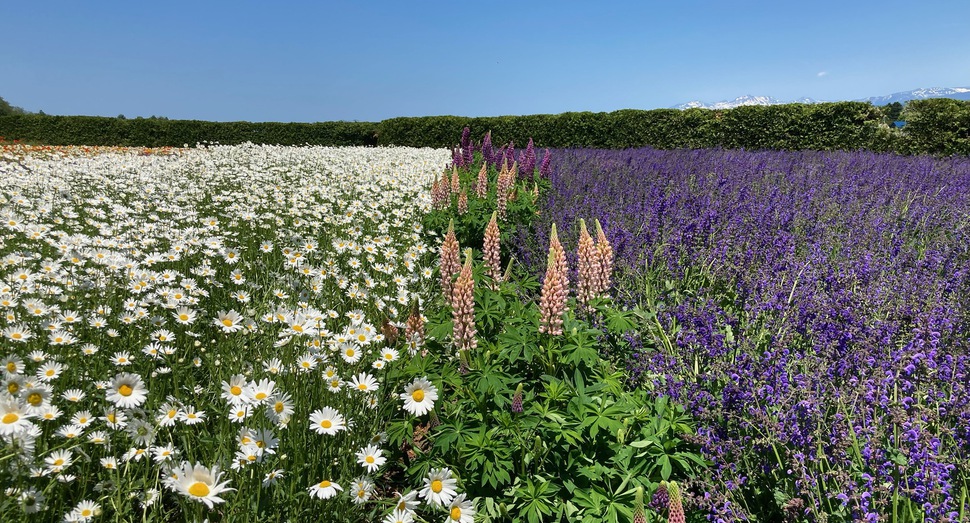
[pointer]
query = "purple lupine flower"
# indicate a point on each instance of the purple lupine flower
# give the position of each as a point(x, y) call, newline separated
point(544, 167)
point(527, 160)
point(487, 154)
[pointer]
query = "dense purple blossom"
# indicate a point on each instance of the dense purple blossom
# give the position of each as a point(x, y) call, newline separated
point(818, 308)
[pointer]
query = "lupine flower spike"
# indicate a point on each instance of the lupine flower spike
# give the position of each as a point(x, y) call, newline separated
point(463, 307)
point(528, 159)
point(588, 270)
point(481, 185)
point(455, 186)
point(502, 188)
point(639, 515)
point(487, 154)
point(517, 400)
point(605, 252)
point(462, 202)
point(675, 509)
point(450, 260)
point(414, 329)
point(552, 300)
point(492, 249)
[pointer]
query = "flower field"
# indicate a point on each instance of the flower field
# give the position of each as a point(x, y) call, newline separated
point(265, 333)
point(200, 333)
point(810, 310)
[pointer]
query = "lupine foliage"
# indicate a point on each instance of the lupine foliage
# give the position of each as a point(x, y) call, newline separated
point(810, 308)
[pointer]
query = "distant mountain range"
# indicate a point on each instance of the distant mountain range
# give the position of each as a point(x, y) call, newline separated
point(959, 93)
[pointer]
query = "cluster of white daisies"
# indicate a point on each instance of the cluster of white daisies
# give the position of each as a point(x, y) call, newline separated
point(165, 318)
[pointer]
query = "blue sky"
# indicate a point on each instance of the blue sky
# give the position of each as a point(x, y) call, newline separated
point(371, 60)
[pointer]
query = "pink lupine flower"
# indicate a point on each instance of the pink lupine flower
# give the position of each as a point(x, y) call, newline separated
point(588, 269)
point(492, 249)
point(463, 307)
point(552, 300)
point(450, 259)
point(462, 202)
point(481, 185)
point(605, 252)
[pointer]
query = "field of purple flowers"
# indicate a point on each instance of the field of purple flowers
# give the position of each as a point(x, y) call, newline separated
point(809, 308)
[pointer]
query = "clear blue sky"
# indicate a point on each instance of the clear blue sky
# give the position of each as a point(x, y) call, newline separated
point(371, 60)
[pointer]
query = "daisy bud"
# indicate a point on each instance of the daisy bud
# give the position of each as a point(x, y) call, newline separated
point(450, 261)
point(463, 307)
point(588, 271)
point(639, 515)
point(517, 400)
point(675, 508)
point(492, 249)
point(481, 185)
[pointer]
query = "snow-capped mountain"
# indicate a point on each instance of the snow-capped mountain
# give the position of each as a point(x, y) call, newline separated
point(959, 93)
point(730, 104)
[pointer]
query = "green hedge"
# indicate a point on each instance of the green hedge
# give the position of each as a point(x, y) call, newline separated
point(843, 125)
point(151, 132)
point(936, 126)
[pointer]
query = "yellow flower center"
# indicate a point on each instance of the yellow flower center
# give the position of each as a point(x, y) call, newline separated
point(13, 387)
point(324, 484)
point(362, 386)
point(125, 390)
point(86, 513)
point(11, 367)
point(10, 418)
point(35, 399)
point(298, 328)
point(172, 413)
point(227, 322)
point(184, 317)
point(279, 407)
point(235, 390)
point(49, 372)
point(16, 335)
point(260, 395)
point(58, 462)
point(369, 459)
point(418, 395)
point(326, 424)
point(455, 513)
point(111, 418)
point(199, 489)
point(436, 486)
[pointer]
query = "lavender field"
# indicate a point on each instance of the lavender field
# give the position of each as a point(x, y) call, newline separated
point(809, 308)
